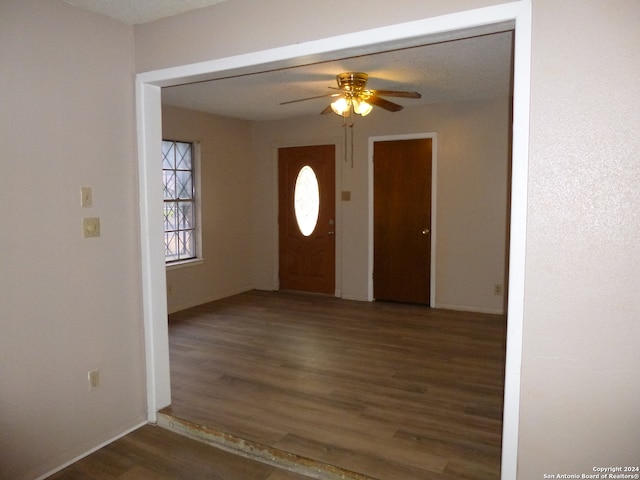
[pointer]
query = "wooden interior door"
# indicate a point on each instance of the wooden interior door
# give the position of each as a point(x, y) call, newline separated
point(402, 220)
point(307, 258)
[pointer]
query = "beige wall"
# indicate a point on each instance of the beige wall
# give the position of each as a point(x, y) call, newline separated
point(471, 184)
point(239, 204)
point(226, 202)
point(67, 304)
point(581, 361)
point(239, 26)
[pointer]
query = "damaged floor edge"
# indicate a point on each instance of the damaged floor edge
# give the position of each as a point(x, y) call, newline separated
point(256, 451)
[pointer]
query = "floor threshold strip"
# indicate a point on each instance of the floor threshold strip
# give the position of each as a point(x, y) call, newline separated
point(256, 451)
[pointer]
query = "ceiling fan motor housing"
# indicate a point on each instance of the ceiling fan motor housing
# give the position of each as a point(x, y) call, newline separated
point(352, 81)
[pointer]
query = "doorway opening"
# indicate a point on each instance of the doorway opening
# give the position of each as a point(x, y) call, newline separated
point(148, 93)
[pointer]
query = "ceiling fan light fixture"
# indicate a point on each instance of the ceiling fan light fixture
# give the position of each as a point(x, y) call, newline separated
point(341, 106)
point(354, 96)
point(361, 107)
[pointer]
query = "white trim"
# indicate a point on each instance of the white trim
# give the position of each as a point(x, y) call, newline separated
point(93, 450)
point(276, 213)
point(192, 262)
point(467, 308)
point(434, 176)
point(518, 241)
point(209, 298)
point(411, 33)
point(153, 274)
point(357, 298)
point(197, 174)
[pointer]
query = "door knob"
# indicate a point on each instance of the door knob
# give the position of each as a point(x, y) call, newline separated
point(425, 231)
point(330, 233)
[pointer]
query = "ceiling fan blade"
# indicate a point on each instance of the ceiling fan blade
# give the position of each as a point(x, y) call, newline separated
point(386, 104)
point(396, 93)
point(311, 98)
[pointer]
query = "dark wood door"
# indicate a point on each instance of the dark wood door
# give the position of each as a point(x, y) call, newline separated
point(402, 220)
point(307, 247)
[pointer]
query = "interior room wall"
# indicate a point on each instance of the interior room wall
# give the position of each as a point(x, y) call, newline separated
point(471, 183)
point(226, 208)
point(67, 304)
point(239, 26)
point(580, 360)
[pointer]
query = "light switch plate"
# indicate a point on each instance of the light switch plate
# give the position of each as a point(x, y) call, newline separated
point(94, 379)
point(91, 227)
point(86, 197)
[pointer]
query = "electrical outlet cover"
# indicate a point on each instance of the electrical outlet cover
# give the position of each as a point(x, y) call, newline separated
point(91, 227)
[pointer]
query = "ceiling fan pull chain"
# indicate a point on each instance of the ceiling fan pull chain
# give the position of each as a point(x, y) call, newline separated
point(346, 142)
point(351, 130)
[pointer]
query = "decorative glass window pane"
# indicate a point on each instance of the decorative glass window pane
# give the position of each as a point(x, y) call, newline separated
point(168, 155)
point(184, 184)
point(179, 201)
point(306, 200)
point(183, 156)
point(185, 215)
point(171, 246)
point(170, 216)
point(186, 244)
point(169, 177)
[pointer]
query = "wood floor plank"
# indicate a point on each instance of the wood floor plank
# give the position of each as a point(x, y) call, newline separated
point(370, 462)
point(388, 390)
point(153, 453)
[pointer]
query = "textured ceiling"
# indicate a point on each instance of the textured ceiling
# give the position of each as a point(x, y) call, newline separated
point(141, 11)
point(469, 69)
point(474, 68)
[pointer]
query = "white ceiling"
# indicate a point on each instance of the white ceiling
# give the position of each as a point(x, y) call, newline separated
point(467, 69)
point(141, 11)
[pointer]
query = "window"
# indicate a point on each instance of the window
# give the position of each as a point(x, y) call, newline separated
point(306, 200)
point(179, 201)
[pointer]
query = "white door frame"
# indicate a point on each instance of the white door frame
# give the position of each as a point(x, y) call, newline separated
point(515, 15)
point(434, 173)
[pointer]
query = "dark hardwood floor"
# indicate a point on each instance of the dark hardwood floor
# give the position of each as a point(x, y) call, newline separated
point(153, 453)
point(392, 391)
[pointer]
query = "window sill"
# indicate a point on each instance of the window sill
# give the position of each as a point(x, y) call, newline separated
point(187, 263)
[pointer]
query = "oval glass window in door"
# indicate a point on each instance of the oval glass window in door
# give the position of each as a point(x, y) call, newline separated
point(306, 200)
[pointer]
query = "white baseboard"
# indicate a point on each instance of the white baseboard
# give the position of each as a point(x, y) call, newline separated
point(210, 298)
point(466, 308)
point(357, 298)
point(89, 452)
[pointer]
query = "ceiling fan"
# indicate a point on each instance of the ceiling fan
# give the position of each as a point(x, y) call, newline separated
point(354, 96)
